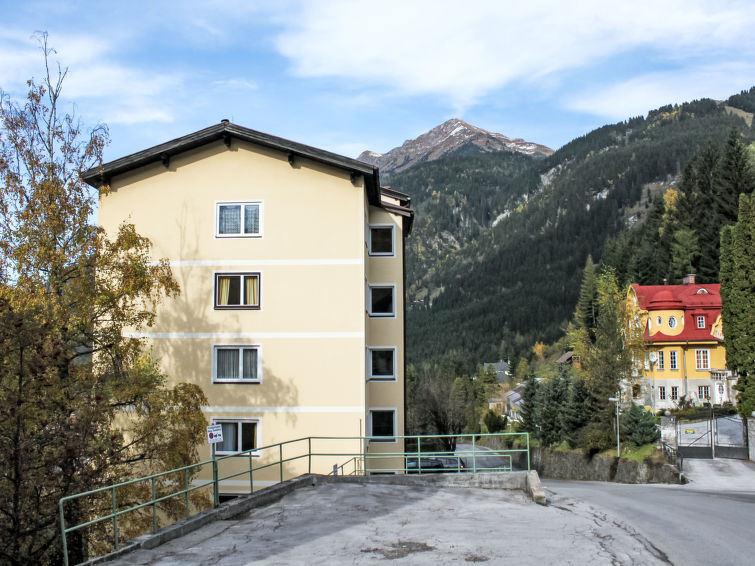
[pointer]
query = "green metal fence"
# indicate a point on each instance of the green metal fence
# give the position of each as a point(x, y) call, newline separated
point(422, 454)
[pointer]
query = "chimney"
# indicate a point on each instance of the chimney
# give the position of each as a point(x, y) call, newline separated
point(689, 279)
point(224, 121)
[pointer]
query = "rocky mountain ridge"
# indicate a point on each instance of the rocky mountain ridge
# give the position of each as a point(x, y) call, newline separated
point(453, 137)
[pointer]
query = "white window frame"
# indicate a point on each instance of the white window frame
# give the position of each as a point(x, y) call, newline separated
point(661, 364)
point(385, 439)
point(673, 360)
point(699, 353)
point(662, 393)
point(241, 203)
point(241, 274)
point(698, 319)
point(257, 433)
point(216, 347)
point(372, 286)
point(392, 253)
point(674, 392)
point(702, 390)
point(370, 375)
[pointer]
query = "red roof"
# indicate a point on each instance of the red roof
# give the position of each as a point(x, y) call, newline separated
point(694, 300)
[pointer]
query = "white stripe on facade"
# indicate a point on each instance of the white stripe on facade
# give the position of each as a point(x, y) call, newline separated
point(259, 262)
point(246, 335)
point(283, 409)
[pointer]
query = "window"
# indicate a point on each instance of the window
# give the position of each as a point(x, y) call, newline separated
point(700, 321)
point(381, 240)
point(703, 391)
point(237, 290)
point(238, 436)
point(236, 364)
point(672, 322)
point(381, 300)
point(238, 219)
point(702, 359)
point(661, 361)
point(383, 424)
point(662, 393)
point(659, 320)
point(674, 393)
point(382, 364)
point(672, 360)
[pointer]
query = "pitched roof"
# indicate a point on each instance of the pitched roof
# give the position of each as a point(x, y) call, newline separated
point(693, 299)
point(693, 295)
point(226, 131)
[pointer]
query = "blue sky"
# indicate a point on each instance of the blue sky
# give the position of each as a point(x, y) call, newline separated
point(353, 75)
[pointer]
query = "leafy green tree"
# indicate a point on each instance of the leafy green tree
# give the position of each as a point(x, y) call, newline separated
point(81, 406)
point(638, 426)
point(738, 298)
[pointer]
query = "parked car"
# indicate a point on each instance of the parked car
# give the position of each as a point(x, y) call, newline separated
point(435, 464)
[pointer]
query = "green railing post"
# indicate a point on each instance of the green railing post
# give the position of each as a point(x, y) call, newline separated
point(215, 486)
point(186, 493)
point(419, 455)
point(115, 520)
point(474, 456)
point(280, 461)
point(528, 450)
point(63, 532)
point(309, 449)
point(251, 474)
point(154, 507)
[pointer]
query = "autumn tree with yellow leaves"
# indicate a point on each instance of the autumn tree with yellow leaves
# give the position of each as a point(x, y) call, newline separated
point(80, 405)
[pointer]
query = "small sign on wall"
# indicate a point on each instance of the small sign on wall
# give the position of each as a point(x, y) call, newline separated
point(215, 433)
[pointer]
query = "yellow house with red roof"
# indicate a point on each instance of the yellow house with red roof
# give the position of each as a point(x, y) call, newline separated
point(683, 336)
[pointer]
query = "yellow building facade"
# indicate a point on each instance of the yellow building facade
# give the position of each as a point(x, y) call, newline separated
point(685, 356)
point(290, 261)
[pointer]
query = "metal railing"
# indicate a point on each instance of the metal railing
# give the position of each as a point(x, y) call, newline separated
point(364, 455)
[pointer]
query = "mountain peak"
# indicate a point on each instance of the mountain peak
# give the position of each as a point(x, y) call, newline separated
point(452, 137)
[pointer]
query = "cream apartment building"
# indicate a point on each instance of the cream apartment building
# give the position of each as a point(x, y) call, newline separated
point(291, 266)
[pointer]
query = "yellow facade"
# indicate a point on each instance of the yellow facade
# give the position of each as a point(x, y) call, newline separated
point(284, 304)
point(685, 357)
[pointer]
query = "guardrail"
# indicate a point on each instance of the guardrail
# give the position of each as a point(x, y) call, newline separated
point(367, 455)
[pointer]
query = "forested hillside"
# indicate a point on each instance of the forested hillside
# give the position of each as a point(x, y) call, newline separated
point(495, 261)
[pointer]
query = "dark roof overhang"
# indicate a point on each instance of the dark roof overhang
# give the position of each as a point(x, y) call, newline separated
point(225, 131)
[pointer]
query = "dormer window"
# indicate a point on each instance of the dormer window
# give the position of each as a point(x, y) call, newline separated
point(700, 321)
point(702, 291)
point(672, 322)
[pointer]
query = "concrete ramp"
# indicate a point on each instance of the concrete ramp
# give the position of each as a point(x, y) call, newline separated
point(435, 519)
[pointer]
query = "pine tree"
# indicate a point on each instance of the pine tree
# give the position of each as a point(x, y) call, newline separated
point(734, 176)
point(529, 410)
point(738, 298)
point(586, 313)
point(638, 426)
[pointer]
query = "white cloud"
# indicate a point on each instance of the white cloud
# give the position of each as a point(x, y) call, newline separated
point(463, 51)
point(111, 92)
point(636, 96)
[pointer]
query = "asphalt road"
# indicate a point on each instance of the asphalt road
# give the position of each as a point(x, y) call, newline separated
point(689, 525)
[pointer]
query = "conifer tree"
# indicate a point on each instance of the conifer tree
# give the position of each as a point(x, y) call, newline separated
point(738, 298)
